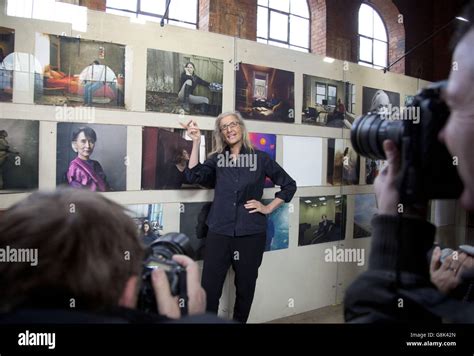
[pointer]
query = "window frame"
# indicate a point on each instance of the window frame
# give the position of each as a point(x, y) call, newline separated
point(288, 44)
point(159, 17)
point(372, 39)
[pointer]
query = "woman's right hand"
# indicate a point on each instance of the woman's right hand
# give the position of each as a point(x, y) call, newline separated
point(192, 130)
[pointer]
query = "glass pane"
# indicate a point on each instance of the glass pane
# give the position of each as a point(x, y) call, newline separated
point(366, 15)
point(365, 50)
point(20, 8)
point(379, 29)
point(282, 5)
point(380, 53)
point(306, 50)
point(321, 89)
point(365, 64)
point(262, 22)
point(154, 6)
point(184, 10)
point(263, 2)
point(182, 24)
point(42, 11)
point(319, 99)
point(150, 18)
point(332, 100)
point(278, 44)
point(299, 31)
point(122, 13)
point(123, 4)
point(299, 7)
point(262, 40)
point(332, 91)
point(278, 26)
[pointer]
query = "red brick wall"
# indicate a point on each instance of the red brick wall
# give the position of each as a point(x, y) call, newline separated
point(98, 5)
point(230, 17)
point(317, 10)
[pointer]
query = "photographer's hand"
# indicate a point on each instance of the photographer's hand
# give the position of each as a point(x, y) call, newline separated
point(169, 305)
point(445, 275)
point(384, 185)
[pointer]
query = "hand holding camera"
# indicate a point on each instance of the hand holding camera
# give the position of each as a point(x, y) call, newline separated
point(420, 166)
point(169, 304)
point(170, 279)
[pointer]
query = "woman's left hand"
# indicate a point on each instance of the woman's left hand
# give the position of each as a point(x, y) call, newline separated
point(257, 207)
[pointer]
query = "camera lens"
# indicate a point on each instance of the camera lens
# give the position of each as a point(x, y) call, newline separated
point(172, 244)
point(370, 131)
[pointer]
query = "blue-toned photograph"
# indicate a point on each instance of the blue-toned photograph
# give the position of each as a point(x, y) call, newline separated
point(277, 228)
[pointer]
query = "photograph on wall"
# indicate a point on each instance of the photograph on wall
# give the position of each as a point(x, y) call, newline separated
point(19, 144)
point(265, 143)
point(78, 72)
point(91, 157)
point(183, 83)
point(328, 102)
point(376, 100)
point(264, 93)
point(166, 155)
point(350, 165)
point(335, 155)
point(322, 219)
point(305, 171)
point(372, 169)
point(192, 223)
point(364, 209)
point(7, 47)
point(148, 219)
point(277, 227)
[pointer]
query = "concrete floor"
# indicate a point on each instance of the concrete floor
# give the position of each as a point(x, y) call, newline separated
point(332, 314)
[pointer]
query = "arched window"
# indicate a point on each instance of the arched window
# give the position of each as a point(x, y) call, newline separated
point(284, 23)
point(181, 12)
point(373, 43)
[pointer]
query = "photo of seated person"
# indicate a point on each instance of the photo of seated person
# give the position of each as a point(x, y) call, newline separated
point(84, 172)
point(189, 81)
point(97, 80)
point(324, 228)
point(264, 93)
point(81, 73)
point(69, 277)
point(183, 84)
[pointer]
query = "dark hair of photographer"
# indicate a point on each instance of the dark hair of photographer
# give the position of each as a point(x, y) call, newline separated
point(89, 259)
point(400, 285)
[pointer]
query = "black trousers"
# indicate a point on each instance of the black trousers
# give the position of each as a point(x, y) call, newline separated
point(245, 254)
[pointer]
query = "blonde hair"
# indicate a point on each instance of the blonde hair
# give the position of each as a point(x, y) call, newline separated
point(218, 140)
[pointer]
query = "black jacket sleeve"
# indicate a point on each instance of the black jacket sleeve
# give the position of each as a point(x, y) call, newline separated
point(201, 81)
point(278, 176)
point(399, 243)
point(203, 174)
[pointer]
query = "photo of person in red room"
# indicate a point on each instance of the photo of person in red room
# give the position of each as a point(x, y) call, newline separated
point(80, 72)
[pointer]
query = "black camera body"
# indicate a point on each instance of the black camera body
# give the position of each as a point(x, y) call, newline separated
point(159, 255)
point(428, 170)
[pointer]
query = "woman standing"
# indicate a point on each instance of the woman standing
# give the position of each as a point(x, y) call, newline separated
point(237, 219)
